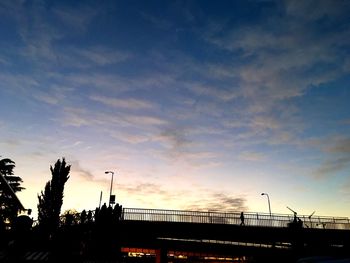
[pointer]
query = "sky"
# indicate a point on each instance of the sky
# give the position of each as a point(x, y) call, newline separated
point(194, 105)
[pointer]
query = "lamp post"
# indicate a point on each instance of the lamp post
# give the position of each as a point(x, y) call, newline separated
point(268, 200)
point(110, 191)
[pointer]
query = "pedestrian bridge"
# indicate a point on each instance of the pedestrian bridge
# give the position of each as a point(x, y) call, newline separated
point(234, 218)
point(222, 232)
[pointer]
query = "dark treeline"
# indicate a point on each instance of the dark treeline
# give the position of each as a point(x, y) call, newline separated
point(79, 236)
point(54, 237)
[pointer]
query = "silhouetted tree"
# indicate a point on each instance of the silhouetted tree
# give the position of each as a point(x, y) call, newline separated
point(50, 201)
point(6, 169)
point(71, 217)
point(8, 207)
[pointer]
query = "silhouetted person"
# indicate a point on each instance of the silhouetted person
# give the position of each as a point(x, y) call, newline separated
point(109, 216)
point(89, 216)
point(295, 218)
point(242, 219)
point(83, 217)
point(117, 212)
point(110, 210)
point(296, 223)
point(300, 223)
point(69, 219)
point(103, 214)
point(120, 211)
point(97, 215)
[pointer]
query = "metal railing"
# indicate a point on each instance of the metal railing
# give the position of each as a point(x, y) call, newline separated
point(228, 218)
point(250, 219)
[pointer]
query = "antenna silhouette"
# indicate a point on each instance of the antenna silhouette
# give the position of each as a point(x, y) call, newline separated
point(291, 210)
point(312, 214)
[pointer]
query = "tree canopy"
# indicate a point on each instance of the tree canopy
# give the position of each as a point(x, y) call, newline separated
point(6, 169)
point(51, 199)
point(9, 185)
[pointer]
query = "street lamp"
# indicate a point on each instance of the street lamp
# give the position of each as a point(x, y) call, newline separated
point(110, 191)
point(268, 199)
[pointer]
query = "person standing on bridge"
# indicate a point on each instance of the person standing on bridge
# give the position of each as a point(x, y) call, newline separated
point(242, 219)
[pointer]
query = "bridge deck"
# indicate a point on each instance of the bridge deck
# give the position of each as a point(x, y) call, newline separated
point(250, 219)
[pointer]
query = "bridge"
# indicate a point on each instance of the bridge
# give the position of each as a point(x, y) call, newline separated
point(172, 235)
point(167, 232)
point(234, 218)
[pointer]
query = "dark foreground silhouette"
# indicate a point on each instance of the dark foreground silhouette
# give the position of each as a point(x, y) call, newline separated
point(98, 236)
point(88, 235)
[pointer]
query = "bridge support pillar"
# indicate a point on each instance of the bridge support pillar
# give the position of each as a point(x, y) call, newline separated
point(161, 255)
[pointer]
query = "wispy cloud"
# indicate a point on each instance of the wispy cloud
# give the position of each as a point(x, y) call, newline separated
point(47, 98)
point(214, 92)
point(211, 201)
point(346, 122)
point(267, 59)
point(77, 18)
point(337, 156)
point(90, 57)
point(11, 142)
point(53, 95)
point(332, 166)
point(131, 137)
point(156, 194)
point(77, 170)
point(342, 146)
point(75, 117)
point(74, 144)
point(40, 36)
point(252, 156)
point(156, 21)
point(307, 11)
point(220, 202)
point(176, 138)
point(276, 54)
point(179, 145)
point(139, 120)
point(127, 103)
point(19, 83)
point(144, 189)
point(4, 61)
point(102, 56)
point(345, 188)
point(104, 81)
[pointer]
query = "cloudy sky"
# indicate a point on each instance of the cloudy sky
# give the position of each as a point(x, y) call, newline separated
point(193, 104)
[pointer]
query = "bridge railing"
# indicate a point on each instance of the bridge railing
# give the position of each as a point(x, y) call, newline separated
point(250, 219)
